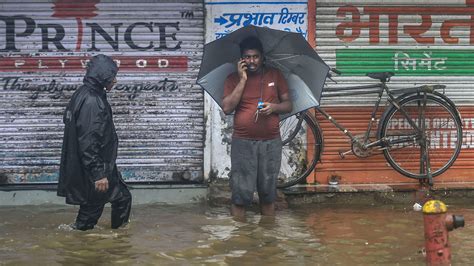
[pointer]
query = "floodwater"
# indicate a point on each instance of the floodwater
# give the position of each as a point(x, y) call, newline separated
point(203, 235)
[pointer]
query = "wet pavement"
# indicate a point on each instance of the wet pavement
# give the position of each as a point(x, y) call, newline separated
point(398, 193)
point(307, 234)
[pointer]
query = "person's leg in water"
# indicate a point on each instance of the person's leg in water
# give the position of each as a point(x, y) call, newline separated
point(243, 175)
point(238, 211)
point(267, 209)
point(269, 158)
point(121, 208)
point(88, 216)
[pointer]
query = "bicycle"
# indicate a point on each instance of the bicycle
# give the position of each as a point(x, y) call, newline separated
point(412, 132)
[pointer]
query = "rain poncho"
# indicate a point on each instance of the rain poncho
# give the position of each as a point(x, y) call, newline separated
point(90, 141)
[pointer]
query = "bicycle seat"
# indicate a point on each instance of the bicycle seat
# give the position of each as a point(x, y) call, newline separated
point(382, 76)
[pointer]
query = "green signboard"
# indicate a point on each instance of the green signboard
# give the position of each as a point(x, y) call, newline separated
point(408, 62)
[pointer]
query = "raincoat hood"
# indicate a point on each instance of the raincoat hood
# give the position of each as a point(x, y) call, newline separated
point(101, 71)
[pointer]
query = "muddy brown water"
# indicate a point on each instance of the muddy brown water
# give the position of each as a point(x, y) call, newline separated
point(202, 235)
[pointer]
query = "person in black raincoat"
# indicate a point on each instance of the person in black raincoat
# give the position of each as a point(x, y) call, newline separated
point(88, 173)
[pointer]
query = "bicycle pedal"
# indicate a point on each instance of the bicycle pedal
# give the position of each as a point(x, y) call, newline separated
point(343, 154)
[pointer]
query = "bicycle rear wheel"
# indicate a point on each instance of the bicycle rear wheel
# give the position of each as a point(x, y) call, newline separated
point(301, 151)
point(443, 131)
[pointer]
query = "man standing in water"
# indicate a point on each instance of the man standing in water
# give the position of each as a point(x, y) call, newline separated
point(88, 174)
point(257, 94)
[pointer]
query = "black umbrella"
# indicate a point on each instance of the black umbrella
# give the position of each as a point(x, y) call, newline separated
point(303, 69)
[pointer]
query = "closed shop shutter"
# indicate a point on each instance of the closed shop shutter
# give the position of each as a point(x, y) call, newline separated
point(423, 42)
point(158, 108)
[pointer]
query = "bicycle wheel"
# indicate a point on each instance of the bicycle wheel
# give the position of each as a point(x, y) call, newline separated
point(301, 151)
point(443, 131)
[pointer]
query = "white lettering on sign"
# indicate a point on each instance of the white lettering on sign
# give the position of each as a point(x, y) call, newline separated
point(141, 63)
point(467, 139)
point(442, 131)
point(72, 63)
point(63, 62)
point(19, 63)
point(405, 62)
point(162, 63)
point(84, 63)
point(40, 64)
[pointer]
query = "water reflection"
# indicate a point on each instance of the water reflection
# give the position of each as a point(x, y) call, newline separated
point(373, 235)
point(198, 234)
point(99, 248)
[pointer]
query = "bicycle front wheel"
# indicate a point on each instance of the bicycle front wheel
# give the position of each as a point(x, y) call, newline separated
point(301, 151)
point(442, 136)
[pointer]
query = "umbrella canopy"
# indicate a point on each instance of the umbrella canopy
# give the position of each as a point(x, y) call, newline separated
point(304, 70)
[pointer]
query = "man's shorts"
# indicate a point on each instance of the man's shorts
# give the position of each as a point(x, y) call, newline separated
point(255, 165)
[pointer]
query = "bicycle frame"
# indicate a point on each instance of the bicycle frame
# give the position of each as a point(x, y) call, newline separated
point(380, 89)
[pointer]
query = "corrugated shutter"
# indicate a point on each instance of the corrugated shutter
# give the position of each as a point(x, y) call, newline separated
point(158, 108)
point(423, 42)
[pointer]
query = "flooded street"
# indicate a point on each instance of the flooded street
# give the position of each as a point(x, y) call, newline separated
point(199, 234)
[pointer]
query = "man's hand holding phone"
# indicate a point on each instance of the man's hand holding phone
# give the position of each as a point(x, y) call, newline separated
point(267, 108)
point(242, 69)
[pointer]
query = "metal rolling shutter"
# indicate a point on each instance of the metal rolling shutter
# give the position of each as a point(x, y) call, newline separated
point(158, 108)
point(368, 36)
